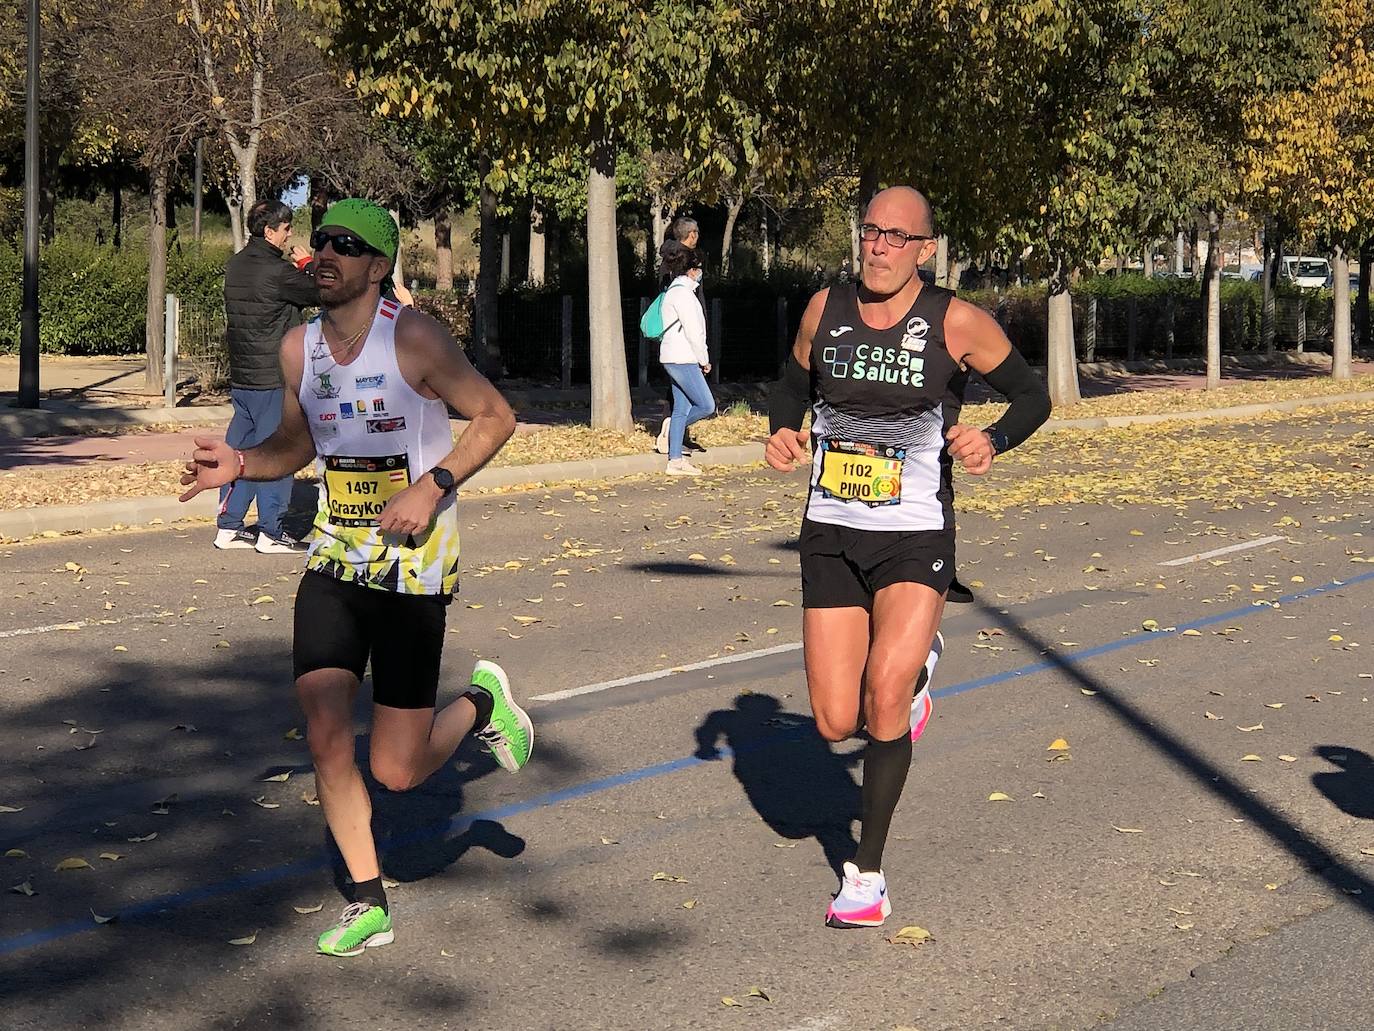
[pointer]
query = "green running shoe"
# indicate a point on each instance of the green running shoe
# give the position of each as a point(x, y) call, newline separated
point(510, 734)
point(362, 926)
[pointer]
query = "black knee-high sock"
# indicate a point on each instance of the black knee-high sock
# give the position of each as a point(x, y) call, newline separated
point(483, 703)
point(886, 764)
point(371, 891)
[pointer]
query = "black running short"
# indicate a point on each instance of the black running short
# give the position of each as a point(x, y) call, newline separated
point(842, 567)
point(340, 625)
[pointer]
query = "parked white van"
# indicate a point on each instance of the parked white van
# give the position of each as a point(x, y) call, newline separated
point(1309, 273)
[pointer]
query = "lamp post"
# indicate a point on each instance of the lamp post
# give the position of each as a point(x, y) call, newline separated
point(28, 340)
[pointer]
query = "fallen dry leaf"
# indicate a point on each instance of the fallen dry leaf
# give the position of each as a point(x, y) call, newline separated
point(758, 993)
point(1127, 830)
point(73, 863)
point(24, 888)
point(661, 876)
point(911, 935)
point(1000, 796)
point(307, 910)
point(1251, 758)
point(103, 919)
point(1058, 745)
point(244, 941)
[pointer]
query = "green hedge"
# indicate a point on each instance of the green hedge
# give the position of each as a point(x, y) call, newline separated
point(93, 299)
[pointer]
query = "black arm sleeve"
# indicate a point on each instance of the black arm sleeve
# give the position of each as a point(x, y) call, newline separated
point(1030, 402)
point(297, 287)
point(789, 398)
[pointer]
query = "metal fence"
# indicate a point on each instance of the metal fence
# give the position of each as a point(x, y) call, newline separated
point(545, 337)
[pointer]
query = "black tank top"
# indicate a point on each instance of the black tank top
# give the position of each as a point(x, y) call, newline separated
point(884, 399)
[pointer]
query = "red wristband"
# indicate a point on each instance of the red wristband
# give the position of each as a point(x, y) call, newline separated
point(240, 475)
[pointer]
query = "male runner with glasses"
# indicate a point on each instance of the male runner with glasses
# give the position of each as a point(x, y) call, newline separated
point(369, 385)
point(882, 364)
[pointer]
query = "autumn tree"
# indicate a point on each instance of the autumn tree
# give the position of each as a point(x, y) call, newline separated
point(1310, 155)
point(535, 80)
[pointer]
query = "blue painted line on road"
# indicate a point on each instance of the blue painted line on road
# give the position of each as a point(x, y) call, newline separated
point(190, 896)
point(1131, 640)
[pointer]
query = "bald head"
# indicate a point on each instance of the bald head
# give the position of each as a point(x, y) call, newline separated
point(902, 207)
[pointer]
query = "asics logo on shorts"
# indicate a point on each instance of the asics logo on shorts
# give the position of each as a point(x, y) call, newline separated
point(938, 565)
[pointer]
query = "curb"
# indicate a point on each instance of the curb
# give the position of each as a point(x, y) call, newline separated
point(128, 512)
point(49, 423)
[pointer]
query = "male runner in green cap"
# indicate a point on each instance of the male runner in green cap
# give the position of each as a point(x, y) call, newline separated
point(369, 384)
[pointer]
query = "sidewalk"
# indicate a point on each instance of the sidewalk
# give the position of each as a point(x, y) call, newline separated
point(135, 451)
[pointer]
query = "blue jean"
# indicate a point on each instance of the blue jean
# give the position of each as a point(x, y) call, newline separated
point(692, 402)
point(257, 413)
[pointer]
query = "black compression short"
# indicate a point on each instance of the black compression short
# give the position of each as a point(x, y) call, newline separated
point(340, 625)
point(843, 567)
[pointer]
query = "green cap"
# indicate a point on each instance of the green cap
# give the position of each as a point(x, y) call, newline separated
point(368, 221)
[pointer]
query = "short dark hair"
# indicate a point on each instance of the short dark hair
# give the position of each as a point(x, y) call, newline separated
point(265, 215)
point(679, 259)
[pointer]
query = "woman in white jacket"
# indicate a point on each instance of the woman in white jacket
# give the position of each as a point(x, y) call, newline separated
point(682, 350)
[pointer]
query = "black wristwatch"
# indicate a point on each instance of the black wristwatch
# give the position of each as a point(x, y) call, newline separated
point(443, 479)
point(999, 440)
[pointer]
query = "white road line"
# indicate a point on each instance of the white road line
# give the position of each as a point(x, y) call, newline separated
point(659, 674)
point(1242, 546)
point(78, 624)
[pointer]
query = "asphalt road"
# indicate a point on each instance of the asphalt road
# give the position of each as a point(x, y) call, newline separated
point(670, 846)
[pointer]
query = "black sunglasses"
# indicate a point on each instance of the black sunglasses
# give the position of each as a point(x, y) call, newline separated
point(869, 233)
point(345, 244)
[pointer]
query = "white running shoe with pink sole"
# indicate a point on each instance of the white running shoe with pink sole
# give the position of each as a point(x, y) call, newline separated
point(861, 902)
point(921, 705)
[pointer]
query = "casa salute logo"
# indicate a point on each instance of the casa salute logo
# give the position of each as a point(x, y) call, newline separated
point(877, 364)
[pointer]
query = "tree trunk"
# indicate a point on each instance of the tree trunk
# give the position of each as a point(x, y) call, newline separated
point(488, 335)
point(398, 271)
point(505, 257)
point(733, 205)
point(659, 222)
point(1213, 284)
point(854, 243)
point(198, 188)
point(765, 244)
point(1340, 322)
point(942, 261)
point(1362, 298)
point(319, 204)
point(117, 217)
point(246, 160)
point(1192, 252)
point(237, 229)
point(1268, 275)
point(157, 276)
point(537, 244)
point(1147, 260)
point(610, 378)
point(1179, 243)
point(553, 246)
point(1062, 360)
point(443, 249)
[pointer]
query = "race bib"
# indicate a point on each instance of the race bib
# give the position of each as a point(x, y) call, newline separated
point(359, 488)
point(866, 473)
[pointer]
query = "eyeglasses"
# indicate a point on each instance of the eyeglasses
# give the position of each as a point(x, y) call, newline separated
point(345, 244)
point(869, 233)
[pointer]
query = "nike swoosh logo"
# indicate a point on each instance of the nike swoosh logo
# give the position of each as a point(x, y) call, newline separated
point(841, 331)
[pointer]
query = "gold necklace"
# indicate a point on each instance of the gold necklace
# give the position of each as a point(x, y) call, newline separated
point(348, 346)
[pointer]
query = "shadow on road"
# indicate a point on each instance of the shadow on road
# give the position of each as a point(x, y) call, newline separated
point(188, 843)
point(1351, 787)
point(791, 777)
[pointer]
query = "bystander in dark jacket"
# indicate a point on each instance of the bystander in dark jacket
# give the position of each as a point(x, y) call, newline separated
point(263, 298)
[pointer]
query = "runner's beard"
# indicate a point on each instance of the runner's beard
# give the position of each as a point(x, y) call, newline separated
point(342, 291)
